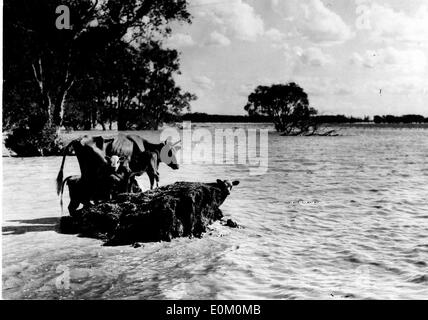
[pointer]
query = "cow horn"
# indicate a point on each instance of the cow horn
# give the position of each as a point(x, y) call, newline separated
point(175, 143)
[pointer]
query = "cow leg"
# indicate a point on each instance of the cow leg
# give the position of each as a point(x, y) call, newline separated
point(133, 186)
point(152, 181)
point(72, 207)
point(127, 183)
point(87, 203)
point(157, 180)
point(73, 186)
point(130, 182)
point(114, 186)
point(151, 175)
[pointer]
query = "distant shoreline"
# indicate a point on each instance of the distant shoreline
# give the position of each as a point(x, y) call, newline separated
point(321, 119)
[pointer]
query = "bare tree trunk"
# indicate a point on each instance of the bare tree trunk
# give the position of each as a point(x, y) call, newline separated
point(58, 111)
point(46, 100)
point(94, 117)
point(122, 113)
point(54, 107)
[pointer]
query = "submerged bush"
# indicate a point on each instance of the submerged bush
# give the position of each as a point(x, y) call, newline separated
point(30, 143)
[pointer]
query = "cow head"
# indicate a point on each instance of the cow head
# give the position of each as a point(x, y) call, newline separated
point(226, 185)
point(114, 162)
point(168, 154)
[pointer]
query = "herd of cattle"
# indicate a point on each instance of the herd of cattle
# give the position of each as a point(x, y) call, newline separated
point(109, 167)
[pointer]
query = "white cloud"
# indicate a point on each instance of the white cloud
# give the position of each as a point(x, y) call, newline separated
point(180, 40)
point(323, 86)
point(386, 23)
point(274, 35)
point(391, 59)
point(203, 82)
point(235, 17)
point(312, 85)
point(246, 89)
point(217, 39)
point(278, 39)
point(406, 85)
point(249, 87)
point(343, 91)
point(314, 57)
point(314, 21)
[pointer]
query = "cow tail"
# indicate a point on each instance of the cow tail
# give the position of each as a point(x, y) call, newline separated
point(62, 192)
point(61, 170)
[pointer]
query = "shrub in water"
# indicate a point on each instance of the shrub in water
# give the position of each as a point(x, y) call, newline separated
point(29, 143)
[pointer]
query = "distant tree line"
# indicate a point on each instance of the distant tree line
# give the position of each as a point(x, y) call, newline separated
point(321, 119)
point(340, 119)
point(204, 117)
point(408, 118)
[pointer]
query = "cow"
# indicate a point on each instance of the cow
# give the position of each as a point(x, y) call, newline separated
point(115, 162)
point(142, 155)
point(100, 160)
point(152, 168)
point(77, 192)
point(93, 162)
point(224, 185)
point(94, 184)
point(124, 178)
point(80, 194)
point(119, 181)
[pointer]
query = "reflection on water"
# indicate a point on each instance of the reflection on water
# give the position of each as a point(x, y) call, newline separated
point(333, 217)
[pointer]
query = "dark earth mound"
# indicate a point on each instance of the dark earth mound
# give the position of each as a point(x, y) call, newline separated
point(182, 209)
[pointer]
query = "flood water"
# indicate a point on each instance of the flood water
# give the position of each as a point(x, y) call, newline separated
point(333, 217)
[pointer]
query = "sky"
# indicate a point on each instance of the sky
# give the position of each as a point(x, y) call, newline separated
point(354, 57)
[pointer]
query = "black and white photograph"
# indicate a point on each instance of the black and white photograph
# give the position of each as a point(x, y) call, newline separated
point(239, 150)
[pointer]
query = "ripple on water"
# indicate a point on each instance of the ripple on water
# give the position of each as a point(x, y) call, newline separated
point(358, 232)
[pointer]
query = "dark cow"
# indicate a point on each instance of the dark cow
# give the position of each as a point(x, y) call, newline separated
point(113, 184)
point(77, 192)
point(224, 185)
point(119, 181)
point(96, 169)
point(102, 176)
point(142, 155)
point(93, 163)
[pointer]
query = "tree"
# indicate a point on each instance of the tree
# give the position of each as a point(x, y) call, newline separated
point(57, 58)
point(136, 85)
point(288, 107)
point(160, 98)
point(407, 118)
point(133, 85)
point(94, 69)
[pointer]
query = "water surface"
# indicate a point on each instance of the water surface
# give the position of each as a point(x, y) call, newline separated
point(334, 217)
